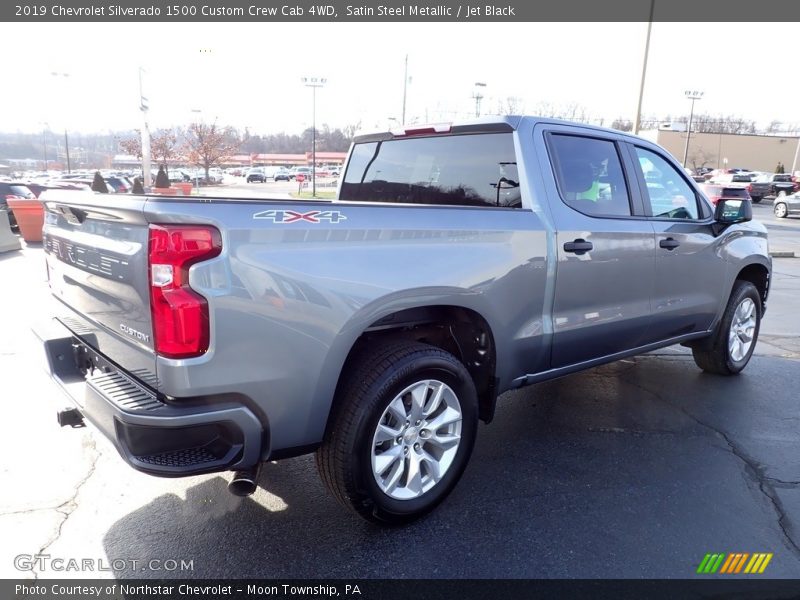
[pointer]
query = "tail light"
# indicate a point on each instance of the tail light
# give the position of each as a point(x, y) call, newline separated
point(180, 315)
point(750, 189)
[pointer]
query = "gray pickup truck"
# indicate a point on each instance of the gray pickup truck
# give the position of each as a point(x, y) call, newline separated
point(458, 262)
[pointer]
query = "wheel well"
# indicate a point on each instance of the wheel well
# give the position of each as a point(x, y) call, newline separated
point(758, 275)
point(457, 330)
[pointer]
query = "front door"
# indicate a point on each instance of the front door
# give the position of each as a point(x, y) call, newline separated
point(689, 270)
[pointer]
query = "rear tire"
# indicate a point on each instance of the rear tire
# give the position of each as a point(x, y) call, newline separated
point(401, 432)
point(755, 200)
point(735, 339)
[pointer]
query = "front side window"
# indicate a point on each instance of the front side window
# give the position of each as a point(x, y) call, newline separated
point(668, 193)
point(463, 170)
point(589, 175)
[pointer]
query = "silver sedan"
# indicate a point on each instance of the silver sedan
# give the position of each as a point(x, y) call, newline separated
point(783, 206)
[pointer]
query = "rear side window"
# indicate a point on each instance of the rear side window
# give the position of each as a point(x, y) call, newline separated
point(462, 170)
point(589, 175)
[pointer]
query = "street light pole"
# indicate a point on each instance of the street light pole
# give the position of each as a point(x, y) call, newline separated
point(56, 74)
point(313, 83)
point(691, 95)
point(477, 94)
point(44, 141)
point(638, 123)
point(405, 89)
point(144, 106)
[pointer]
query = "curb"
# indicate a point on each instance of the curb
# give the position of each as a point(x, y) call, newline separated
point(782, 254)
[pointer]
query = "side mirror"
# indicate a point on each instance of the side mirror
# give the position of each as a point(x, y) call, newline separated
point(730, 211)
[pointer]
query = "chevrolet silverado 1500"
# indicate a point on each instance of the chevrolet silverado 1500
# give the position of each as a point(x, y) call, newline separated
point(457, 262)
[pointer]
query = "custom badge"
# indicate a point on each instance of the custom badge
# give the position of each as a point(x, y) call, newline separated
point(291, 216)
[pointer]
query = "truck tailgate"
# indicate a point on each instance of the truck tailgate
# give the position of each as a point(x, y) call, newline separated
point(96, 252)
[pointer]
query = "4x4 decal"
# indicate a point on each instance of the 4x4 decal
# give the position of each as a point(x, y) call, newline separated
point(291, 216)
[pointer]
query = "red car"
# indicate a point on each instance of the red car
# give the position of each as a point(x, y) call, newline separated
point(715, 192)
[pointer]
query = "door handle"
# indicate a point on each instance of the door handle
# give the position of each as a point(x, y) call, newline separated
point(669, 243)
point(579, 246)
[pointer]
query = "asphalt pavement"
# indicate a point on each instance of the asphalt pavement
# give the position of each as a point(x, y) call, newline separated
point(635, 469)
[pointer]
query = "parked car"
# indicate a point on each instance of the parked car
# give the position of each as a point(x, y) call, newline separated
point(215, 175)
point(304, 171)
point(784, 206)
point(783, 184)
point(13, 190)
point(120, 185)
point(715, 193)
point(256, 175)
point(282, 174)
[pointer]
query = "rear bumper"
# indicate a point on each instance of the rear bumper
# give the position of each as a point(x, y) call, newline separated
point(152, 436)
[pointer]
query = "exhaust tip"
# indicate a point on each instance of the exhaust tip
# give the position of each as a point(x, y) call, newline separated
point(244, 483)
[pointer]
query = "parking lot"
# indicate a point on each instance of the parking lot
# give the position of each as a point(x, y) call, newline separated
point(634, 469)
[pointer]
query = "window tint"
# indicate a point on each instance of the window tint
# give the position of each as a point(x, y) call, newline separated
point(466, 170)
point(669, 195)
point(735, 193)
point(21, 191)
point(589, 174)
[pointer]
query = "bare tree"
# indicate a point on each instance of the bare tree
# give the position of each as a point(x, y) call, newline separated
point(349, 131)
point(132, 146)
point(206, 144)
point(622, 124)
point(568, 112)
point(511, 105)
point(164, 146)
point(700, 158)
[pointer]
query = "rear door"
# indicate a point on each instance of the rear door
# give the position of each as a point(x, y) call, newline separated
point(689, 273)
point(606, 253)
point(96, 253)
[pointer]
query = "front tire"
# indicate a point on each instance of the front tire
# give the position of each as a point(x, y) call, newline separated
point(401, 432)
point(736, 336)
point(781, 210)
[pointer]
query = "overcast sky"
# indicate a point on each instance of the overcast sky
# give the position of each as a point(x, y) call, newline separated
point(248, 74)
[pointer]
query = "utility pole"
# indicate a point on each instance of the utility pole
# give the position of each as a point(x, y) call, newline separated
point(313, 83)
point(44, 141)
point(691, 95)
point(56, 74)
point(477, 94)
point(405, 90)
point(144, 106)
point(637, 125)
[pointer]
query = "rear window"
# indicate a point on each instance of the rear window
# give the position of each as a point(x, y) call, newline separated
point(461, 170)
point(782, 178)
point(741, 179)
point(735, 193)
point(21, 191)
